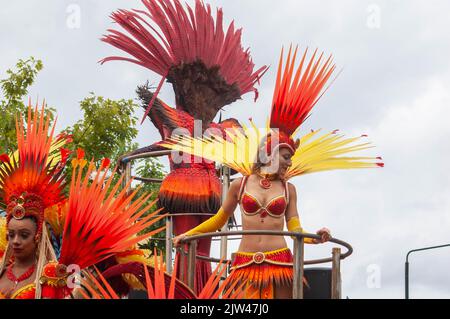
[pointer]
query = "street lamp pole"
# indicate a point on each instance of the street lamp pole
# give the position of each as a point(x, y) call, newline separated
point(407, 265)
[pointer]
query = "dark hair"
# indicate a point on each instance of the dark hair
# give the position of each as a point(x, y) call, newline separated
point(32, 218)
point(262, 159)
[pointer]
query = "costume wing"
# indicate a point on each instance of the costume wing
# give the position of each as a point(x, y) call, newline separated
point(102, 221)
point(237, 150)
point(165, 118)
point(326, 152)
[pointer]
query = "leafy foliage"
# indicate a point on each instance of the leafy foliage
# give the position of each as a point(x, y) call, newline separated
point(151, 168)
point(14, 90)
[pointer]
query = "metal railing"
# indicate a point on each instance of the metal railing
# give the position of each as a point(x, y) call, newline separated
point(298, 256)
point(191, 241)
point(125, 166)
point(126, 170)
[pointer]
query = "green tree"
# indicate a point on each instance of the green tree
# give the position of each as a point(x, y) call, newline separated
point(14, 90)
point(152, 168)
point(107, 128)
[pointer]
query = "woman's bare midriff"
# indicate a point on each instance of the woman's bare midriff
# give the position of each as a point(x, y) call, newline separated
point(262, 243)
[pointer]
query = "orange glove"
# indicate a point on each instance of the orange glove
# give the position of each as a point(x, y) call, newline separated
point(294, 225)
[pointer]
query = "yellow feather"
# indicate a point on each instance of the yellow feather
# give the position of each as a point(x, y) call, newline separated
point(54, 154)
point(317, 154)
point(239, 150)
point(3, 242)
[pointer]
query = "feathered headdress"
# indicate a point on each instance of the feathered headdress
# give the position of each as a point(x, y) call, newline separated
point(207, 67)
point(296, 92)
point(32, 180)
point(101, 220)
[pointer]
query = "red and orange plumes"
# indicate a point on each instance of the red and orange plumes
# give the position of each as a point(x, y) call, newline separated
point(297, 91)
point(100, 223)
point(31, 173)
point(161, 285)
point(185, 35)
point(30, 182)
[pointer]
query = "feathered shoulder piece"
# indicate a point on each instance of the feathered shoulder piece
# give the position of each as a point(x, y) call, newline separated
point(101, 220)
point(237, 149)
point(207, 66)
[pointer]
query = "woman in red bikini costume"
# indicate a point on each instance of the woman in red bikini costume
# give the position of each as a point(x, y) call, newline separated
point(265, 197)
point(266, 201)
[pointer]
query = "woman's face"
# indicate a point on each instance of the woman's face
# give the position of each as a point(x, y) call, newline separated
point(283, 156)
point(21, 237)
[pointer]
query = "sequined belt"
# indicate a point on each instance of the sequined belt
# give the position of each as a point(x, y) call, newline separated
point(276, 257)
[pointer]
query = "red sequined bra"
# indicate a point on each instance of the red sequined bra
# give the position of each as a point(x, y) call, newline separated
point(276, 207)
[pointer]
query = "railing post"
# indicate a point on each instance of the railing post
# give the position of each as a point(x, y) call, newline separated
point(406, 279)
point(127, 176)
point(182, 265)
point(336, 274)
point(169, 246)
point(192, 253)
point(224, 239)
point(297, 284)
point(225, 187)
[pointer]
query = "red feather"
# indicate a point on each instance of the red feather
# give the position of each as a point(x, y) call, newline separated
point(4, 158)
point(297, 91)
point(100, 223)
point(186, 35)
point(31, 173)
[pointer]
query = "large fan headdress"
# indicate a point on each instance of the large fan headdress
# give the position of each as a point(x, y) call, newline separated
point(206, 65)
point(297, 91)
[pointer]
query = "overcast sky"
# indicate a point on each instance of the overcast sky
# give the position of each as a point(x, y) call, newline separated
point(394, 57)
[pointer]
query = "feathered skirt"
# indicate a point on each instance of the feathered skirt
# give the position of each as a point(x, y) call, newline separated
point(190, 190)
point(263, 271)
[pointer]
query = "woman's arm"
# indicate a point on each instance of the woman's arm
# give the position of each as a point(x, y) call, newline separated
point(293, 219)
point(217, 221)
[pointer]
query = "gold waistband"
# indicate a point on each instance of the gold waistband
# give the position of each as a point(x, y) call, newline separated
point(281, 257)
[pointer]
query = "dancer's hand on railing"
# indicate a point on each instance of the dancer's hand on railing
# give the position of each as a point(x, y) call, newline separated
point(325, 235)
point(176, 240)
point(120, 164)
point(120, 167)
